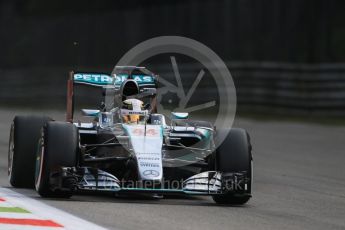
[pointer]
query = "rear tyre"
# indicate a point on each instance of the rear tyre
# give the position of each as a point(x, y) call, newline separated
point(58, 147)
point(234, 155)
point(24, 135)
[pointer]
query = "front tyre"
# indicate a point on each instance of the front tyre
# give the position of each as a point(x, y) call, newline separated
point(234, 156)
point(58, 148)
point(24, 135)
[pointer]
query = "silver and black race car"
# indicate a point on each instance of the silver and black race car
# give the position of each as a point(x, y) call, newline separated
point(128, 147)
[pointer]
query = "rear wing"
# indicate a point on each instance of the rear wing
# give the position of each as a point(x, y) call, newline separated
point(104, 81)
point(93, 79)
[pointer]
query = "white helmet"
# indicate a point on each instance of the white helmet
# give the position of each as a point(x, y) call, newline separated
point(132, 112)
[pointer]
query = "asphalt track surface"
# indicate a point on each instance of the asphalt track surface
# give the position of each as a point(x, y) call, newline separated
point(299, 183)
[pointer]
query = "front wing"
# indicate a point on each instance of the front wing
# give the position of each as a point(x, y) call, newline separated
point(205, 183)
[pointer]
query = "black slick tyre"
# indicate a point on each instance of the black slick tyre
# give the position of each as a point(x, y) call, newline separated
point(58, 147)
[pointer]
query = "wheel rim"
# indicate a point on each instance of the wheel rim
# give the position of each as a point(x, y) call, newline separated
point(11, 151)
point(251, 175)
point(39, 162)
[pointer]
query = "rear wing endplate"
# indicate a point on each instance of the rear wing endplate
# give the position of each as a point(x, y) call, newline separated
point(92, 79)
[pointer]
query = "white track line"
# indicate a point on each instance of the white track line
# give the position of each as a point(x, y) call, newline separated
point(24, 227)
point(20, 216)
point(43, 211)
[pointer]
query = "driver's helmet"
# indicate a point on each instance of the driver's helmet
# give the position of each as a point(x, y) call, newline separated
point(132, 112)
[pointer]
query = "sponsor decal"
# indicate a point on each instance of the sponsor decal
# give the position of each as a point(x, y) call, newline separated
point(137, 112)
point(151, 165)
point(144, 79)
point(138, 132)
point(147, 153)
point(141, 132)
point(97, 79)
point(140, 79)
point(152, 132)
point(151, 172)
point(119, 78)
point(149, 158)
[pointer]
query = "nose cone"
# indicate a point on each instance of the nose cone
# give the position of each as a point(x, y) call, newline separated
point(147, 147)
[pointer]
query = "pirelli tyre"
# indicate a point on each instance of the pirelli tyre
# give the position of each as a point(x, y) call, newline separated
point(234, 159)
point(58, 148)
point(24, 135)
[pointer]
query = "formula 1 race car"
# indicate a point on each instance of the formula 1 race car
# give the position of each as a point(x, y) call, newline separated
point(128, 147)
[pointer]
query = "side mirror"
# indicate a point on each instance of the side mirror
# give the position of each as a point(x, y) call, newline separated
point(176, 115)
point(90, 112)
